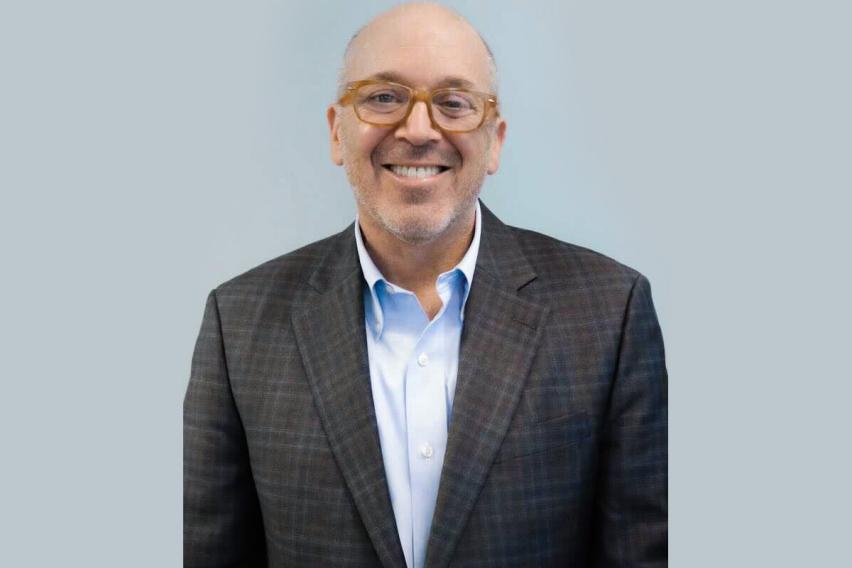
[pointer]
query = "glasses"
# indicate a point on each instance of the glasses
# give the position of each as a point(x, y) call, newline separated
point(452, 110)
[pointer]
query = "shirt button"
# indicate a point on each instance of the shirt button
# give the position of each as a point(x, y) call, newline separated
point(423, 360)
point(427, 451)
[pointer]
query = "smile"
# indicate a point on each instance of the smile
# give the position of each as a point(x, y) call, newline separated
point(418, 172)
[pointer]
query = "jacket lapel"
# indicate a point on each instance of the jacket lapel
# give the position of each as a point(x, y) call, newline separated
point(500, 337)
point(332, 341)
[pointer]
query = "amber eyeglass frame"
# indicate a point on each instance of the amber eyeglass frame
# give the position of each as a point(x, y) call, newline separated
point(416, 95)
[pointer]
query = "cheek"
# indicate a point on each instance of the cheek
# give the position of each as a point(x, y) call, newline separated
point(349, 141)
point(360, 140)
point(474, 154)
point(473, 148)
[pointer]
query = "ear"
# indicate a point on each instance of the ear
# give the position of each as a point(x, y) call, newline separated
point(334, 132)
point(499, 135)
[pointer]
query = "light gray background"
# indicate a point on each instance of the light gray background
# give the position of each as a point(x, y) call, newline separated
point(151, 150)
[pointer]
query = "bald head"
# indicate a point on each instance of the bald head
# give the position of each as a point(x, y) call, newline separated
point(416, 26)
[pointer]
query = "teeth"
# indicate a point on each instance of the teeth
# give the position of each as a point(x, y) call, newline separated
point(404, 171)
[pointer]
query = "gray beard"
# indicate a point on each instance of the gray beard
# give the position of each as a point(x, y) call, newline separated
point(416, 232)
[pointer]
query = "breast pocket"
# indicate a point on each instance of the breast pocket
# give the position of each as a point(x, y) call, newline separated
point(532, 438)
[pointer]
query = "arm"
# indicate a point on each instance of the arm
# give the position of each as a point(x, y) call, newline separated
point(631, 510)
point(222, 525)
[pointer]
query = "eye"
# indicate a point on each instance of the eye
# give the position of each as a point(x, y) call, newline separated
point(384, 98)
point(455, 103)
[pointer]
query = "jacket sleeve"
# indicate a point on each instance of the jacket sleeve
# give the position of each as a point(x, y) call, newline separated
point(631, 526)
point(222, 524)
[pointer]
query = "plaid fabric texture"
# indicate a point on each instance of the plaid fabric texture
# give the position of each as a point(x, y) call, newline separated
point(557, 450)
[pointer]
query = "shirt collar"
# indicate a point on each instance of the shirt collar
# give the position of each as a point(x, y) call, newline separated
point(468, 262)
point(372, 274)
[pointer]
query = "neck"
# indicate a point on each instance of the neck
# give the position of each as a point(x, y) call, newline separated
point(415, 267)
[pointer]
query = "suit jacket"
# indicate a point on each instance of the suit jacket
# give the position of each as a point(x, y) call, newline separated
point(557, 448)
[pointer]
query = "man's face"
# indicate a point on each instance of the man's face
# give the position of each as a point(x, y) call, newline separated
point(425, 54)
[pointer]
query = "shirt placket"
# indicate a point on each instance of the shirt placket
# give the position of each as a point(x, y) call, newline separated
point(426, 412)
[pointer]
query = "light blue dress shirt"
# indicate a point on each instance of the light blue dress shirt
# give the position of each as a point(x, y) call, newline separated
point(413, 367)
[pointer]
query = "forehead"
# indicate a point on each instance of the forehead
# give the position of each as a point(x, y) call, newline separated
point(421, 55)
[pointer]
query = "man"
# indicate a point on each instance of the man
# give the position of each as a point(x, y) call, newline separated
point(429, 387)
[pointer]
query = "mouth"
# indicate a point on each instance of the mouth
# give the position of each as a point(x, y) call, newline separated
point(415, 171)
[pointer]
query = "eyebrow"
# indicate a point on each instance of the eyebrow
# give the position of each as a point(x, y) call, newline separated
point(449, 81)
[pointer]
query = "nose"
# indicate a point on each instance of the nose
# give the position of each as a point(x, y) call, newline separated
point(418, 129)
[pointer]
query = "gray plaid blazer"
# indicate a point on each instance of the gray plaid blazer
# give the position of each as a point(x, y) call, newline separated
point(557, 450)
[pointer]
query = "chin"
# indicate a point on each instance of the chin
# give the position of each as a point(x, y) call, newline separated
point(415, 230)
point(417, 218)
point(417, 225)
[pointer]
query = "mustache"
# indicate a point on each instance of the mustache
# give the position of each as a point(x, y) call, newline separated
point(426, 153)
